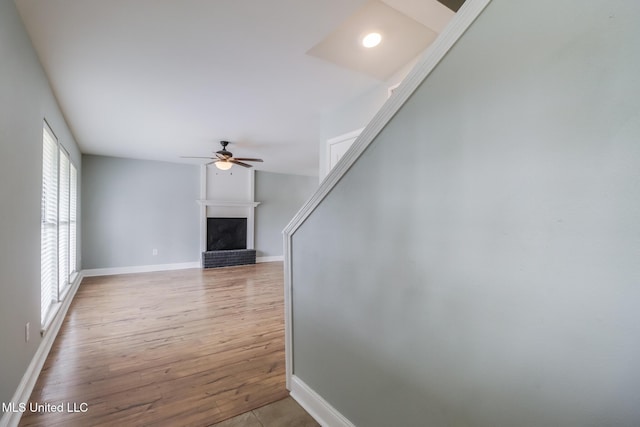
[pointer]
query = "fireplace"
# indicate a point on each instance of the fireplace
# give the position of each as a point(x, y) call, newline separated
point(227, 243)
point(227, 216)
point(225, 234)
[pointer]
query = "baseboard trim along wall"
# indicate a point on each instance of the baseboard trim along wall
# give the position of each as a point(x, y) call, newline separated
point(316, 406)
point(270, 258)
point(139, 269)
point(25, 388)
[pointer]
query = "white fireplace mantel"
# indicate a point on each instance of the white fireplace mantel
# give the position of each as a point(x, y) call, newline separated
point(228, 203)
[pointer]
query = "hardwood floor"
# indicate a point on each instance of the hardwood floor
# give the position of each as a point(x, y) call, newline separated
point(179, 348)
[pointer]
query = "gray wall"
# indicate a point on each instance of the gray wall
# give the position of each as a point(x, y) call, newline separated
point(131, 207)
point(356, 113)
point(491, 276)
point(281, 197)
point(25, 100)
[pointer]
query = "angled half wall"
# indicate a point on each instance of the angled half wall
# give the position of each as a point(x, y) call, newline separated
point(474, 262)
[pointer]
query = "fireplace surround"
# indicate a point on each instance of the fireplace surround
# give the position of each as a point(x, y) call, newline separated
point(227, 195)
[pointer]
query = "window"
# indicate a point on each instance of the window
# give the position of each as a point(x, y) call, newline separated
point(63, 221)
point(59, 223)
point(49, 229)
point(73, 222)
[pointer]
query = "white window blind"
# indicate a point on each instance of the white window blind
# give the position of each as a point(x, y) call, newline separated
point(73, 221)
point(63, 221)
point(49, 227)
point(59, 223)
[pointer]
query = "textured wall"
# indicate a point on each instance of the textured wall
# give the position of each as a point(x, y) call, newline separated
point(488, 275)
point(356, 113)
point(281, 197)
point(134, 206)
point(25, 100)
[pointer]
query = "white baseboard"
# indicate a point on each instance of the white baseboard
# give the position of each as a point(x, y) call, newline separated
point(25, 388)
point(269, 258)
point(139, 269)
point(325, 414)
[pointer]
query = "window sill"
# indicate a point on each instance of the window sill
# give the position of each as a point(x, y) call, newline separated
point(53, 311)
point(55, 308)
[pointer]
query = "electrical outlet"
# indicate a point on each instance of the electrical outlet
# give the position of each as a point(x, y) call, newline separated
point(26, 331)
point(155, 252)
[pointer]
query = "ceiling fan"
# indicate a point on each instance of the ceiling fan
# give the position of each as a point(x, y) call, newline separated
point(224, 159)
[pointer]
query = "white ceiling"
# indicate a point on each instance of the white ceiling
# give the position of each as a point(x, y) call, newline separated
point(403, 39)
point(160, 79)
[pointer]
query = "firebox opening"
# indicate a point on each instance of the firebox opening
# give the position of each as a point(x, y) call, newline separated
point(226, 234)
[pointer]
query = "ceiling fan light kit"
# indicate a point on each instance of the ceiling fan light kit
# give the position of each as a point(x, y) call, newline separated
point(224, 166)
point(224, 159)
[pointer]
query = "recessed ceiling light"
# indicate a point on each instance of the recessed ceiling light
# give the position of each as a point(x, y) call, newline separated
point(371, 40)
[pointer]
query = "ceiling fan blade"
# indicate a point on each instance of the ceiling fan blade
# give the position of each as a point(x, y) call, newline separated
point(236, 162)
point(191, 157)
point(246, 159)
point(226, 156)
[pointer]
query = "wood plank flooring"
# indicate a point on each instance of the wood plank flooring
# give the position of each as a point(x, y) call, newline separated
point(179, 348)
